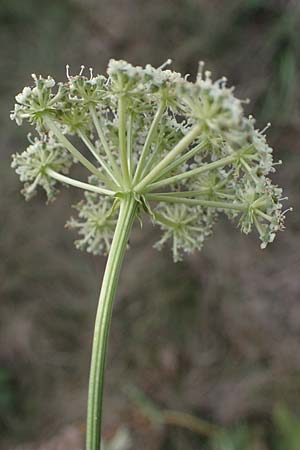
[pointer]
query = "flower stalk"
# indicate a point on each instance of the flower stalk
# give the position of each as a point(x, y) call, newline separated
point(149, 140)
point(179, 148)
point(122, 139)
point(191, 173)
point(128, 207)
point(73, 150)
point(79, 184)
point(105, 144)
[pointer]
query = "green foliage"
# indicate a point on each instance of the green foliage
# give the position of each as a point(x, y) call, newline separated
point(284, 432)
point(286, 429)
point(239, 438)
point(7, 395)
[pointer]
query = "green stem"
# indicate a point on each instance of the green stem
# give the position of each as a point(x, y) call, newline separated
point(127, 213)
point(129, 144)
point(190, 154)
point(122, 138)
point(248, 169)
point(79, 184)
point(93, 151)
point(104, 143)
point(179, 148)
point(164, 220)
point(148, 141)
point(73, 150)
point(264, 215)
point(200, 191)
point(197, 202)
point(190, 173)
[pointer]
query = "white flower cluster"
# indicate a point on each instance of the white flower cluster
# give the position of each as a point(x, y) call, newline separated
point(211, 104)
point(142, 80)
point(268, 221)
point(186, 227)
point(33, 103)
point(96, 224)
point(185, 149)
point(32, 165)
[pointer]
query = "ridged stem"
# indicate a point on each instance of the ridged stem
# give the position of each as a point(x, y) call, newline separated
point(127, 213)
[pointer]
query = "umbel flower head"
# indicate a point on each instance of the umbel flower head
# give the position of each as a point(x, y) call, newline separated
point(184, 150)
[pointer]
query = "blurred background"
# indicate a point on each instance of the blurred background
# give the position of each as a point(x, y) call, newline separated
point(204, 354)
